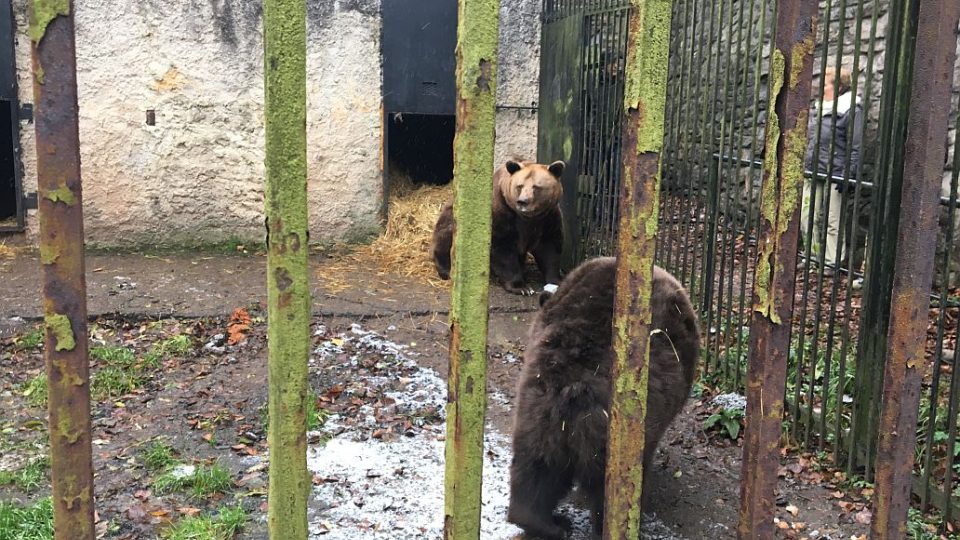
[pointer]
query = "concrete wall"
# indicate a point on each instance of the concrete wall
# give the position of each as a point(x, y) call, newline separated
point(196, 176)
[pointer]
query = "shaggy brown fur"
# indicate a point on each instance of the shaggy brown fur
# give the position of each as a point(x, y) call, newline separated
point(526, 219)
point(560, 423)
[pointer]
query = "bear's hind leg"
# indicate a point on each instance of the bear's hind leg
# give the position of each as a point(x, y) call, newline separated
point(535, 491)
point(508, 269)
point(443, 242)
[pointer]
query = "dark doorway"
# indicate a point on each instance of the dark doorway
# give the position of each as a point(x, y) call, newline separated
point(421, 147)
point(11, 200)
point(419, 90)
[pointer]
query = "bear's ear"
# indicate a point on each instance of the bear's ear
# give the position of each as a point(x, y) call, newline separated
point(512, 166)
point(544, 296)
point(556, 168)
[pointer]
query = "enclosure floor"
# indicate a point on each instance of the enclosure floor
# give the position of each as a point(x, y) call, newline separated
point(695, 478)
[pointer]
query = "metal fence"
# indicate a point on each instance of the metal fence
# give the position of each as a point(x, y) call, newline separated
point(717, 101)
point(585, 70)
point(717, 105)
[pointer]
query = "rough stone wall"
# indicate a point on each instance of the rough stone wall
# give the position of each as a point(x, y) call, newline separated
point(518, 80)
point(197, 175)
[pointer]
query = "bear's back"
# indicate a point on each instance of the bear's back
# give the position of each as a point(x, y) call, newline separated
point(564, 389)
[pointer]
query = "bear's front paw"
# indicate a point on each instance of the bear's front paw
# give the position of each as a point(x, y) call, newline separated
point(519, 288)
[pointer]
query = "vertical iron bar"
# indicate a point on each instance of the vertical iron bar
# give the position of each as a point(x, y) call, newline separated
point(736, 145)
point(288, 284)
point(935, 51)
point(691, 155)
point(954, 400)
point(889, 177)
point(848, 230)
point(684, 182)
point(644, 105)
point(858, 345)
point(62, 266)
point(791, 65)
point(476, 52)
point(706, 160)
point(716, 132)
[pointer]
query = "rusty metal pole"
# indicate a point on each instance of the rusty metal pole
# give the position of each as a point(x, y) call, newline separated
point(478, 23)
point(61, 257)
point(648, 50)
point(935, 51)
point(791, 66)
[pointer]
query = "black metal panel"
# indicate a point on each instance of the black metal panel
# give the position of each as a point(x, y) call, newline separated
point(581, 116)
point(419, 62)
point(559, 118)
point(8, 72)
point(11, 190)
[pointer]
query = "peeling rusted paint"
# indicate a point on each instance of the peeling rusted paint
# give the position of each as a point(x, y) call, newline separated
point(288, 289)
point(476, 54)
point(62, 267)
point(644, 109)
point(785, 141)
point(934, 56)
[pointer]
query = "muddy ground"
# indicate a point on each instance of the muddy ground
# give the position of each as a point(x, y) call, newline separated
point(377, 370)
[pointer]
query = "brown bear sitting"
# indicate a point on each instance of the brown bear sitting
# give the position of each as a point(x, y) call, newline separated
point(526, 219)
point(563, 396)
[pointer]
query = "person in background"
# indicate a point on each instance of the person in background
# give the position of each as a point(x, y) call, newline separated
point(840, 116)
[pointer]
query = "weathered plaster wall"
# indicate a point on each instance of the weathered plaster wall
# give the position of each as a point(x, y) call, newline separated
point(197, 175)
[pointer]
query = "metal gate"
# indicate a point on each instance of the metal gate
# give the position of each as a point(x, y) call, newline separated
point(581, 115)
point(11, 190)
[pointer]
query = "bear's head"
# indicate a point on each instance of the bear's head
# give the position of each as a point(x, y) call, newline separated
point(532, 189)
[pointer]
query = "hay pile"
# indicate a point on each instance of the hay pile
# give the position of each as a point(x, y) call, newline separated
point(404, 246)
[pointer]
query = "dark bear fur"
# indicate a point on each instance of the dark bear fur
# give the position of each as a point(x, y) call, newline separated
point(526, 219)
point(560, 420)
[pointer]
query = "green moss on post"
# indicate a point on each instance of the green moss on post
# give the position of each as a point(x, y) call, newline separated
point(58, 326)
point(644, 105)
point(43, 12)
point(288, 293)
point(473, 172)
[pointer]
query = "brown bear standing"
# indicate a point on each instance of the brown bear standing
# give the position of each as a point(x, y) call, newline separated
point(526, 219)
point(563, 396)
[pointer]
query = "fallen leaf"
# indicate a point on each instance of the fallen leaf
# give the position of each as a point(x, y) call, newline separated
point(863, 517)
point(793, 510)
point(238, 326)
point(208, 437)
point(188, 511)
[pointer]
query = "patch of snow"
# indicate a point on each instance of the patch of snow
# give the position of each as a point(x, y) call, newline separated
point(393, 489)
point(730, 401)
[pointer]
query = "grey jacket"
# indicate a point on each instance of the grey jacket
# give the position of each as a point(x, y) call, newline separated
point(846, 128)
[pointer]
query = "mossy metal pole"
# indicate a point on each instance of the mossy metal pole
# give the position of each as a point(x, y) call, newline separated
point(288, 292)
